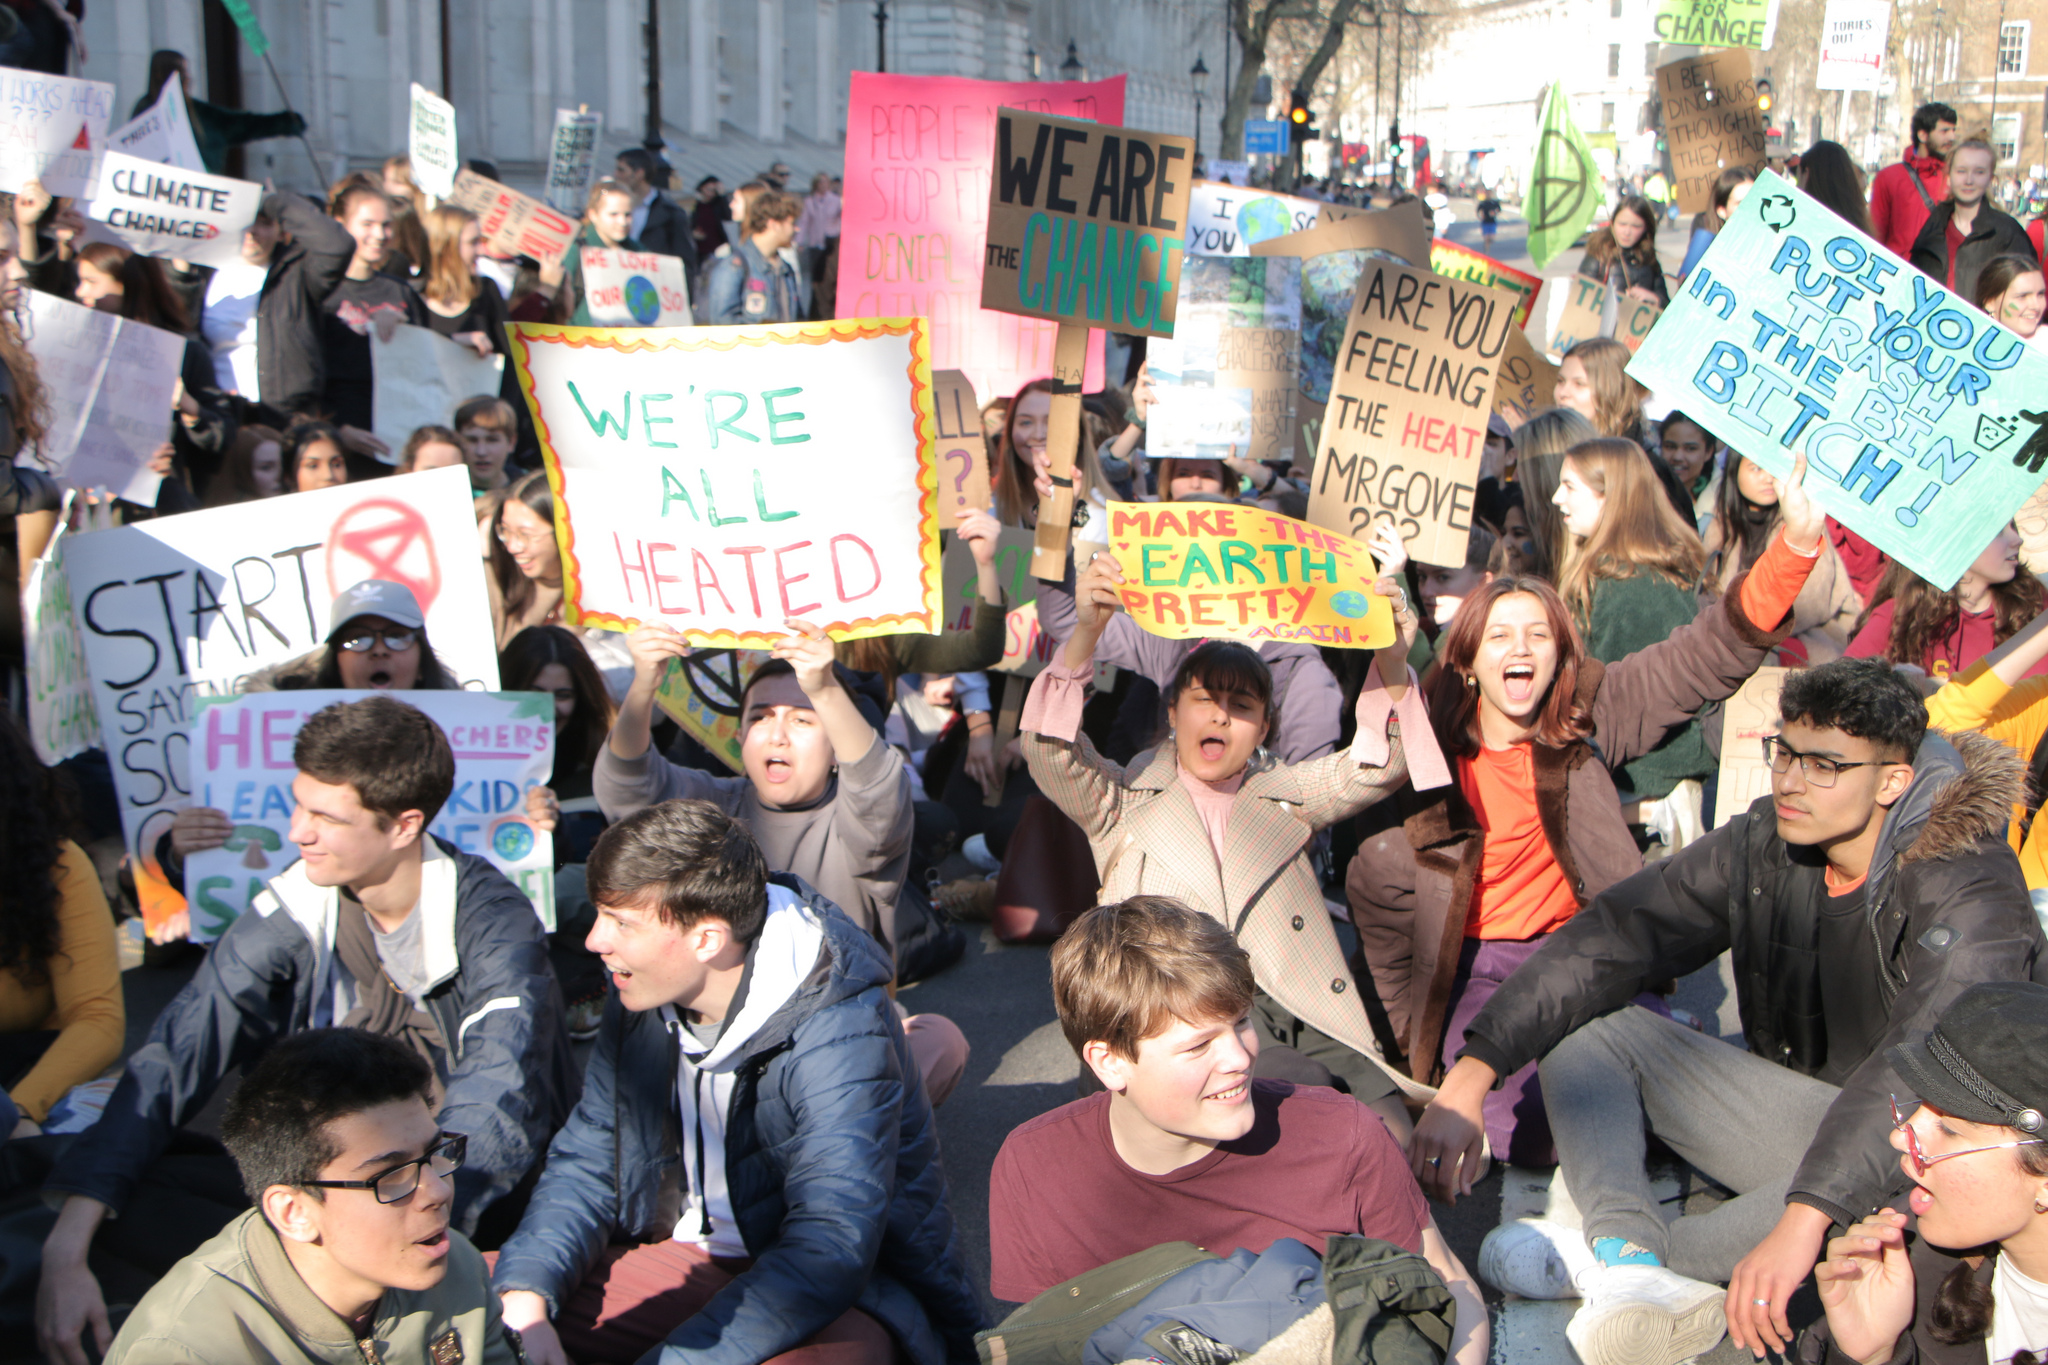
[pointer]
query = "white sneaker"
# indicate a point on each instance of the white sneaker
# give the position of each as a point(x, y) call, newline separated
point(1537, 1259)
point(1646, 1315)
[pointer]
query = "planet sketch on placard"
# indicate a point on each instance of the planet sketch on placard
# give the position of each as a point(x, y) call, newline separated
point(643, 300)
point(1350, 605)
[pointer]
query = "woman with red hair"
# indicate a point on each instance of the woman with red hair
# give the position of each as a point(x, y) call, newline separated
point(1449, 902)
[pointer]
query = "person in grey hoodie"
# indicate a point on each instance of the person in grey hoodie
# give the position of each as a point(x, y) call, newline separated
point(751, 1168)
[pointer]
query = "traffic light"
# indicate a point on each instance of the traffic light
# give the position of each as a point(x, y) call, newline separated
point(1763, 97)
point(1300, 123)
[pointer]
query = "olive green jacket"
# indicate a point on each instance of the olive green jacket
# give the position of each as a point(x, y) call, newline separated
point(237, 1299)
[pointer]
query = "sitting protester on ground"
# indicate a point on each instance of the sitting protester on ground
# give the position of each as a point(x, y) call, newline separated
point(1183, 1144)
point(751, 1098)
point(377, 924)
point(348, 1253)
point(1860, 898)
point(1961, 1276)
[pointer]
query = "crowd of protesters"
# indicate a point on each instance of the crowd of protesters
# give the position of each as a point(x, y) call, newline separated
point(1354, 928)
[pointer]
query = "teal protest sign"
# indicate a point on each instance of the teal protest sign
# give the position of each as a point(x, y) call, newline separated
point(1797, 332)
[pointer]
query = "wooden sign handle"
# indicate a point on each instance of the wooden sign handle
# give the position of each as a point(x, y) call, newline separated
point(1007, 723)
point(1062, 443)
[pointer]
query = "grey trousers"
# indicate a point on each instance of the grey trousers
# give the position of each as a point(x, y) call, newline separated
point(1745, 1122)
point(1291, 1049)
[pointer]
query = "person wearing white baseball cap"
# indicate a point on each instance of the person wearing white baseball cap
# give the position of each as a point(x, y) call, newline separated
point(377, 639)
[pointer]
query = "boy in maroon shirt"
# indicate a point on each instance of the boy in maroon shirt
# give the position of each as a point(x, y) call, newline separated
point(1183, 1145)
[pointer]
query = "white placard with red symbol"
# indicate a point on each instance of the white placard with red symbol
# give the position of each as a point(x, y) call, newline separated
point(52, 129)
point(179, 607)
point(180, 215)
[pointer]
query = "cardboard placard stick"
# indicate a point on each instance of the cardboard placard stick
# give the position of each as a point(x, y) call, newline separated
point(1007, 721)
point(1062, 443)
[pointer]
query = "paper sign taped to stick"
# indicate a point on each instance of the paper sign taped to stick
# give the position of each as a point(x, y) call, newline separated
point(702, 693)
point(419, 377)
point(1087, 223)
point(572, 160)
point(1526, 383)
point(52, 129)
point(920, 155)
point(1921, 418)
point(241, 750)
point(1633, 319)
point(163, 132)
point(61, 718)
point(962, 448)
point(1747, 717)
point(191, 605)
point(1711, 122)
point(635, 288)
point(1224, 384)
point(792, 476)
point(514, 224)
point(1226, 220)
point(110, 383)
point(434, 161)
point(1399, 233)
point(1200, 569)
point(1463, 263)
point(1852, 43)
point(1576, 310)
point(160, 210)
point(1717, 23)
point(1406, 423)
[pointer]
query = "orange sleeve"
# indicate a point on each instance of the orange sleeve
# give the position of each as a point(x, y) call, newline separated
point(1773, 584)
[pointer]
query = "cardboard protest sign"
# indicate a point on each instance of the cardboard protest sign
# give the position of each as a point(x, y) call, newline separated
point(1717, 23)
point(241, 757)
point(1086, 222)
point(61, 718)
point(162, 132)
point(1526, 384)
point(1576, 313)
point(1852, 42)
point(160, 210)
point(792, 476)
point(1406, 422)
point(191, 605)
point(1711, 122)
point(1225, 383)
point(1747, 717)
point(1796, 332)
point(514, 224)
point(1463, 263)
point(572, 159)
point(1199, 569)
point(52, 129)
point(920, 155)
point(110, 383)
point(962, 448)
point(419, 377)
point(635, 288)
point(1633, 319)
point(1225, 220)
point(1397, 233)
point(962, 580)
point(432, 144)
point(702, 693)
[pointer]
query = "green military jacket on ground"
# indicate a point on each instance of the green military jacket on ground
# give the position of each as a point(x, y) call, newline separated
point(237, 1299)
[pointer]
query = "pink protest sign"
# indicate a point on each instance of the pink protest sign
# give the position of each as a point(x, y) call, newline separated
point(919, 154)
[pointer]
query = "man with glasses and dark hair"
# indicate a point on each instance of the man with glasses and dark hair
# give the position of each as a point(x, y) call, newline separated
point(348, 1254)
point(1868, 890)
point(377, 925)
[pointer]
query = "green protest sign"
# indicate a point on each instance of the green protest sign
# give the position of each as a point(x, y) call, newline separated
point(245, 20)
point(1717, 23)
point(1564, 185)
point(1797, 332)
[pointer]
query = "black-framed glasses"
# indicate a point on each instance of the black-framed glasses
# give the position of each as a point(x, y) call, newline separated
point(395, 1184)
point(1903, 1121)
point(397, 641)
point(1818, 771)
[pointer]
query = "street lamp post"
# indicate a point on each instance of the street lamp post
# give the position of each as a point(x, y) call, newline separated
point(881, 35)
point(1071, 69)
point(1198, 77)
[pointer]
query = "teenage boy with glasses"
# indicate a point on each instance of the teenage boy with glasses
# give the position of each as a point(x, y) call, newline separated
point(348, 1255)
point(1862, 896)
point(377, 924)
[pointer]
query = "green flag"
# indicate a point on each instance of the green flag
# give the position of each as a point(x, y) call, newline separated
point(1564, 185)
point(245, 20)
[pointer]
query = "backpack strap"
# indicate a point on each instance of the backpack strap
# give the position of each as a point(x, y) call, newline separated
point(1913, 174)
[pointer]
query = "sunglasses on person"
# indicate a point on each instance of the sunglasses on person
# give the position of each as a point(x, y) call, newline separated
point(1818, 771)
point(395, 1184)
point(397, 641)
point(1921, 1161)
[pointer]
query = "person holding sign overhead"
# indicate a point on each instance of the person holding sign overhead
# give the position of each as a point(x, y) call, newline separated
point(215, 127)
point(1964, 234)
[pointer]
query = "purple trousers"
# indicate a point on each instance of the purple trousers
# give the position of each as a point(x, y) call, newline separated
point(1517, 1129)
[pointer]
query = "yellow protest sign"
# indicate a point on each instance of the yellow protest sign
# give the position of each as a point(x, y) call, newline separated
point(1200, 569)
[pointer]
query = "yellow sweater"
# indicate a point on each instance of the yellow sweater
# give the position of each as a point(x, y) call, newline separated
point(2017, 716)
point(81, 997)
